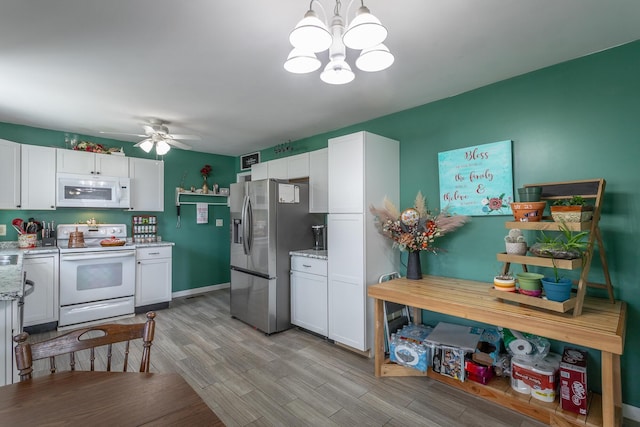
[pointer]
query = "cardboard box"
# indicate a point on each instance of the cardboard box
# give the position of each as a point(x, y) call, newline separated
point(477, 372)
point(573, 380)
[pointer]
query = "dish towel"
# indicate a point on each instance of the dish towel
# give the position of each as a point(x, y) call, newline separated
point(202, 213)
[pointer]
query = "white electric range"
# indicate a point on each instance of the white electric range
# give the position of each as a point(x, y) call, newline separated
point(96, 282)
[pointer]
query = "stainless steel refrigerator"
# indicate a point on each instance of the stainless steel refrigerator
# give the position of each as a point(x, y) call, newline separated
point(269, 218)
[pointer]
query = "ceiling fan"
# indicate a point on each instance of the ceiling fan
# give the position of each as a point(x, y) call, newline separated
point(157, 134)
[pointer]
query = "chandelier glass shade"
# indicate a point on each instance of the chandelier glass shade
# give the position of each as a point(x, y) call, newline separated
point(311, 35)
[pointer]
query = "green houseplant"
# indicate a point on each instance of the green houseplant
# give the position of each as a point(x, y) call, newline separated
point(567, 245)
point(573, 209)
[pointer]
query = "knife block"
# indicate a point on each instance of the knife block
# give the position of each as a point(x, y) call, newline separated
point(51, 240)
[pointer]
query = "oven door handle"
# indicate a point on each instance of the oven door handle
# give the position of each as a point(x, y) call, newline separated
point(101, 256)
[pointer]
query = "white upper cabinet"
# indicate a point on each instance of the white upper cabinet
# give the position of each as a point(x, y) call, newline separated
point(147, 184)
point(278, 168)
point(319, 181)
point(85, 163)
point(9, 175)
point(38, 176)
point(346, 174)
point(259, 171)
point(292, 167)
point(298, 166)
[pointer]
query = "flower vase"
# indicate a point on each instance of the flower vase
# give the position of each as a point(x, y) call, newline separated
point(205, 187)
point(414, 270)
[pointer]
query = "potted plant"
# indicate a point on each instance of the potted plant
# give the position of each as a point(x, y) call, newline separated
point(568, 245)
point(574, 209)
point(556, 288)
point(515, 242)
point(504, 282)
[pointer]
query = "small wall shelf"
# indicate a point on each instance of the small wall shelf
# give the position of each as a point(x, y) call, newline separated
point(195, 194)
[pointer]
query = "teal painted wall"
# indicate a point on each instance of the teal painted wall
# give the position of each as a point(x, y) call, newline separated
point(201, 251)
point(575, 120)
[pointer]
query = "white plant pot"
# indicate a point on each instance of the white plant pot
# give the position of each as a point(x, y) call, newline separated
point(517, 248)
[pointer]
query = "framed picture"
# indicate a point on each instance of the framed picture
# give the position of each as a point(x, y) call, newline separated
point(477, 180)
point(248, 160)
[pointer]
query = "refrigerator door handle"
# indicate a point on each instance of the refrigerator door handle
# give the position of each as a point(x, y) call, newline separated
point(245, 234)
point(249, 240)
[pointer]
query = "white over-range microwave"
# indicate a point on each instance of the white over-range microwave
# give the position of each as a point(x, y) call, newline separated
point(92, 191)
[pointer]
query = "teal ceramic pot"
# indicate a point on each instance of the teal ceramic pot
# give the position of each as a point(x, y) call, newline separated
point(529, 281)
point(557, 291)
point(529, 194)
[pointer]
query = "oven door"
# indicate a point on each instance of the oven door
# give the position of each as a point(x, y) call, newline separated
point(95, 276)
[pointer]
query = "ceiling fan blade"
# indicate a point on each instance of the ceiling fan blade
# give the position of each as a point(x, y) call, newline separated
point(178, 144)
point(141, 142)
point(193, 137)
point(120, 133)
point(148, 130)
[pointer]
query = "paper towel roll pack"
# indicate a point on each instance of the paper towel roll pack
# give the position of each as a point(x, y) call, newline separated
point(522, 344)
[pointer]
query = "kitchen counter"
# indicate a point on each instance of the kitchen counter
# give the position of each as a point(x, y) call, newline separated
point(152, 244)
point(11, 275)
point(310, 253)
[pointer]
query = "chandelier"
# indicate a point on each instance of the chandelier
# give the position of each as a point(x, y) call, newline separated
point(312, 35)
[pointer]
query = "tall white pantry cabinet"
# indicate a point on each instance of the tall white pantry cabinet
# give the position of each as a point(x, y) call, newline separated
point(364, 168)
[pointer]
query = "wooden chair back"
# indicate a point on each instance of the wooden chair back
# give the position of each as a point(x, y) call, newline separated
point(83, 339)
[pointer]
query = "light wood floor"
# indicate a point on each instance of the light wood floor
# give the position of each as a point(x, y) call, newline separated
point(294, 378)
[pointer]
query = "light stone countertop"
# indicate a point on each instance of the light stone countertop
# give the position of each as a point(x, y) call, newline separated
point(11, 275)
point(310, 253)
point(152, 244)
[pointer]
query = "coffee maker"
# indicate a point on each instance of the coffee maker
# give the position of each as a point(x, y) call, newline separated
point(319, 237)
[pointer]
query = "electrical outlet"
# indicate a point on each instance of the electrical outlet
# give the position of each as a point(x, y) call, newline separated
point(218, 222)
point(3, 229)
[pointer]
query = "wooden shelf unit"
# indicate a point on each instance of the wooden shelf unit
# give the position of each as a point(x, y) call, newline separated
point(592, 189)
point(601, 327)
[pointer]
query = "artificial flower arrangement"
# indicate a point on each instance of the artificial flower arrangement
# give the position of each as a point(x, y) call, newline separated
point(416, 228)
point(205, 171)
point(94, 148)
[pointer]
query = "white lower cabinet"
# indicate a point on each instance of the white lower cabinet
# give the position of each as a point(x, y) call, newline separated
point(8, 321)
point(153, 276)
point(41, 306)
point(309, 294)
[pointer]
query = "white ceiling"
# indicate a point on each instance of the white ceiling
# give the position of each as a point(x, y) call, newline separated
point(215, 67)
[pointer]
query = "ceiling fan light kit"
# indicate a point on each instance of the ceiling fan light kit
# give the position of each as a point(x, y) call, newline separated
point(311, 35)
point(158, 136)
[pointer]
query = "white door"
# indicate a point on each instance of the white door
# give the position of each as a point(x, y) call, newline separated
point(79, 162)
point(346, 287)
point(147, 184)
point(153, 281)
point(278, 169)
point(112, 165)
point(259, 171)
point(309, 302)
point(298, 166)
point(8, 321)
point(38, 177)
point(41, 306)
point(9, 175)
point(319, 181)
point(346, 174)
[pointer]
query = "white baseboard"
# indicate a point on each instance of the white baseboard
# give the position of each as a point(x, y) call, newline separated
point(196, 291)
point(631, 412)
